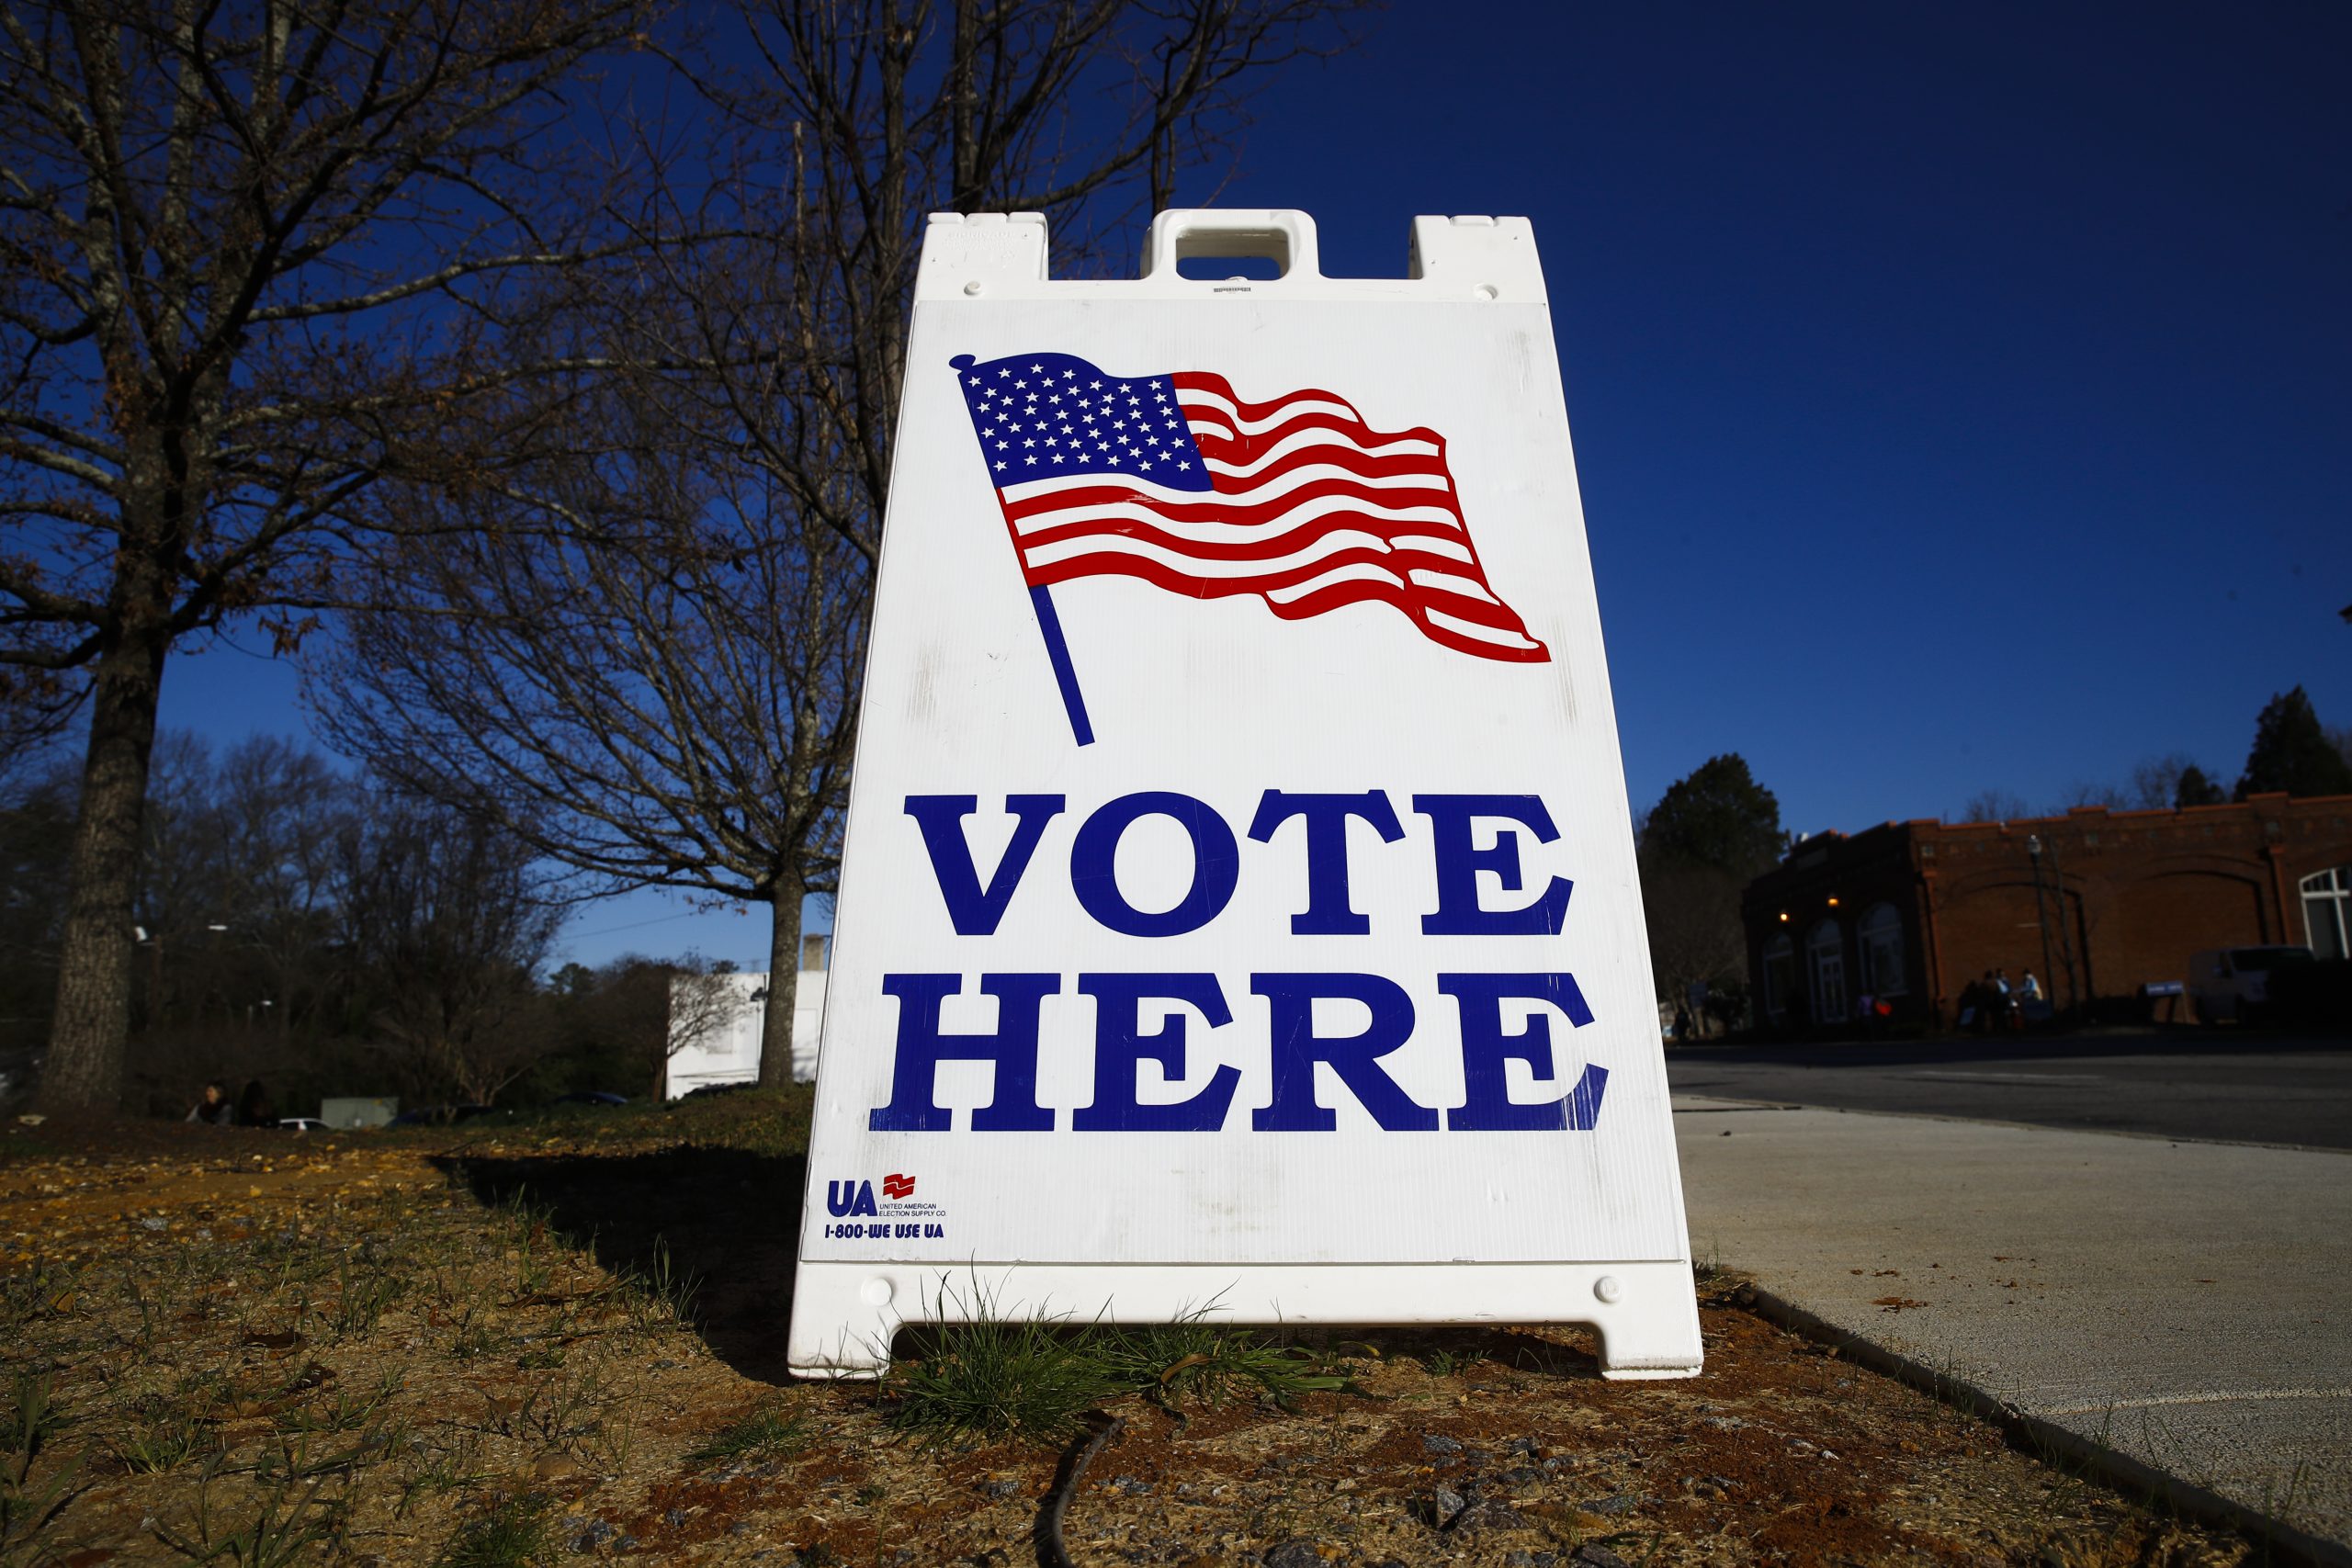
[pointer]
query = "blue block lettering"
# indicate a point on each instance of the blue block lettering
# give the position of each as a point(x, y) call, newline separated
point(1355, 1059)
point(1120, 1045)
point(1459, 861)
point(1217, 865)
point(847, 1198)
point(1584, 1100)
point(921, 1048)
point(1327, 911)
point(1489, 1107)
point(976, 909)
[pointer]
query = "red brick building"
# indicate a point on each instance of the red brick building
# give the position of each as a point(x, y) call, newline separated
point(2096, 903)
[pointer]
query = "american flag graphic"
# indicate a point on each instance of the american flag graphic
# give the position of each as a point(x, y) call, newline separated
point(1178, 481)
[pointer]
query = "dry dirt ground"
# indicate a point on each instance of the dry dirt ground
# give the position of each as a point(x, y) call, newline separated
point(560, 1340)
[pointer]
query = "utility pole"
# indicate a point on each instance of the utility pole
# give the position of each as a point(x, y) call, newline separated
point(2049, 912)
point(154, 945)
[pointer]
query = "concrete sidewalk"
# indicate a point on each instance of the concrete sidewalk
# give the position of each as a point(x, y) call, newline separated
point(2183, 1303)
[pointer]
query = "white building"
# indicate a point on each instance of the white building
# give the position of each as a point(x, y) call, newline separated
point(726, 1049)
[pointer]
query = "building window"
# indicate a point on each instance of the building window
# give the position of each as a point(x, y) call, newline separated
point(1825, 952)
point(1780, 970)
point(2327, 912)
point(1880, 936)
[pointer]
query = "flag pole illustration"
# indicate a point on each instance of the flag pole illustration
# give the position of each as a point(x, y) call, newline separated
point(1178, 481)
point(1065, 676)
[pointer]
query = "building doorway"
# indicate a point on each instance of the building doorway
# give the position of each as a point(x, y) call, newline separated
point(2327, 912)
point(1780, 976)
point(1826, 952)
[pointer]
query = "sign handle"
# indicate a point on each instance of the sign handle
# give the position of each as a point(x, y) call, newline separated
point(1064, 675)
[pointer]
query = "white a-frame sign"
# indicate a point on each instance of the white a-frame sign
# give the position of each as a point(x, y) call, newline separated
point(1238, 906)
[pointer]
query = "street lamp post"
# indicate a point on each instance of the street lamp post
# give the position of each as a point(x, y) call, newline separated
point(153, 942)
point(2052, 909)
point(2041, 908)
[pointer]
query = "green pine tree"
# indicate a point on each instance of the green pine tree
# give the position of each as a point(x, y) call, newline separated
point(2291, 752)
point(1718, 817)
point(2195, 789)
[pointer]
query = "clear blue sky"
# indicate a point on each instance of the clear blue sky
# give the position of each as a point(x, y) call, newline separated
point(1962, 396)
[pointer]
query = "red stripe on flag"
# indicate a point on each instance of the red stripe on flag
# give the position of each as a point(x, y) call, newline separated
point(1319, 542)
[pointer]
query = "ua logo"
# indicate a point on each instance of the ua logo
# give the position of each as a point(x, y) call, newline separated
point(895, 1186)
point(846, 1197)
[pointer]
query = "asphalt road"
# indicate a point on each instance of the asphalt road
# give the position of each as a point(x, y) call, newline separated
point(2221, 1084)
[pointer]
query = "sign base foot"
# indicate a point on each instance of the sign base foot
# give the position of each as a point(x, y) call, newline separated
point(1647, 1313)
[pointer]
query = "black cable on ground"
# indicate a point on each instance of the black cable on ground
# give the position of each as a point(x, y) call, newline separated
point(1102, 1429)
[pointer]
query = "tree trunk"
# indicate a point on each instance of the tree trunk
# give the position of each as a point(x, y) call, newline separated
point(92, 1020)
point(783, 985)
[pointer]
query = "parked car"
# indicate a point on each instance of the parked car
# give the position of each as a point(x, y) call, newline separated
point(2233, 983)
point(301, 1125)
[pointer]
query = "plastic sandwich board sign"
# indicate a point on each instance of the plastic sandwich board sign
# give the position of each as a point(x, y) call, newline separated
point(1238, 910)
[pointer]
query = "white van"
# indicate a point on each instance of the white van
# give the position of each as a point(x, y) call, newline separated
point(2235, 982)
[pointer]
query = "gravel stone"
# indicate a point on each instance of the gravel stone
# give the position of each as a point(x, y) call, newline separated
point(1491, 1513)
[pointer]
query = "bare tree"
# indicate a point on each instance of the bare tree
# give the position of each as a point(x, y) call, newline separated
point(36, 815)
point(624, 1020)
point(644, 654)
point(37, 708)
point(651, 679)
point(703, 1000)
point(255, 257)
point(1994, 806)
point(443, 912)
point(889, 109)
point(2092, 791)
point(2155, 781)
point(238, 880)
point(1696, 937)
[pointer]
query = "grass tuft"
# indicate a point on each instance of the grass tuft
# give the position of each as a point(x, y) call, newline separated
point(1034, 1378)
point(289, 1522)
point(660, 1296)
point(1212, 1363)
point(44, 1290)
point(26, 1510)
point(1443, 1360)
point(162, 1444)
point(771, 1431)
point(32, 1420)
point(997, 1377)
point(517, 1533)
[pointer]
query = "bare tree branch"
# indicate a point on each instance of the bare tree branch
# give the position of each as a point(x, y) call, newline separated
point(259, 255)
point(640, 647)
